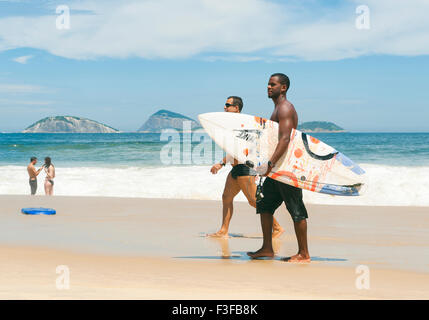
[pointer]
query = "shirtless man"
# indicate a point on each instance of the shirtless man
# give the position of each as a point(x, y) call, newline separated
point(241, 178)
point(33, 173)
point(276, 192)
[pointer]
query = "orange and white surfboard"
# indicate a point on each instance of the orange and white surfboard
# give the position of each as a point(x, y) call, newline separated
point(308, 163)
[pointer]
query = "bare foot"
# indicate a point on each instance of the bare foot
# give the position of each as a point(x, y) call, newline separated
point(219, 234)
point(278, 232)
point(261, 253)
point(298, 258)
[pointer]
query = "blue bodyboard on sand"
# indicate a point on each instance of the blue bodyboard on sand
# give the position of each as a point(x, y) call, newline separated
point(35, 211)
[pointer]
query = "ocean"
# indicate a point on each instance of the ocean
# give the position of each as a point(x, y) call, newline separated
point(173, 166)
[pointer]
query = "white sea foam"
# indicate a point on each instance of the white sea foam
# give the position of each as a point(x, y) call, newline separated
point(388, 185)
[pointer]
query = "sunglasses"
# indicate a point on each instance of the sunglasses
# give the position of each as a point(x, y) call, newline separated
point(229, 105)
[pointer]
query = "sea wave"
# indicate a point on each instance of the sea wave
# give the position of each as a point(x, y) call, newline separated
point(387, 185)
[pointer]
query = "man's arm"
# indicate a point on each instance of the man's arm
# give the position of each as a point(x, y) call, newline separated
point(286, 123)
point(215, 168)
point(36, 172)
point(285, 117)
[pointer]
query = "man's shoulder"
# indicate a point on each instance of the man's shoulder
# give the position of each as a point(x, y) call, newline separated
point(288, 104)
point(285, 105)
point(286, 108)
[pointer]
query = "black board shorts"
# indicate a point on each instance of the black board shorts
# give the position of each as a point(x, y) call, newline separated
point(241, 170)
point(275, 193)
point(33, 186)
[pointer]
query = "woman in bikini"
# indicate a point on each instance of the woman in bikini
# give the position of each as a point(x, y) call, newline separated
point(50, 175)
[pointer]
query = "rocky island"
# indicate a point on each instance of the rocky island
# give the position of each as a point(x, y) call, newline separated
point(68, 124)
point(319, 126)
point(164, 119)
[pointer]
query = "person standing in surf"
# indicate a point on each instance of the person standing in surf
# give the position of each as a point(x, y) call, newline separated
point(33, 173)
point(274, 192)
point(50, 175)
point(241, 178)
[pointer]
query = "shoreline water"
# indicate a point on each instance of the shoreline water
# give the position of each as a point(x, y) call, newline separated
point(138, 165)
point(387, 185)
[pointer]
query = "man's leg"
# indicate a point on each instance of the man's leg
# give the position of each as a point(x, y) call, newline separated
point(298, 212)
point(277, 229)
point(267, 245)
point(231, 190)
point(33, 187)
point(266, 208)
point(248, 186)
point(301, 235)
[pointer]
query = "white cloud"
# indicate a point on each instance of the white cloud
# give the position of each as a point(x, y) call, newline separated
point(20, 88)
point(228, 29)
point(233, 58)
point(22, 59)
point(8, 102)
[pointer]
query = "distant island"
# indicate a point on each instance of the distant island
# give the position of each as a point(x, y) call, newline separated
point(157, 122)
point(319, 126)
point(165, 119)
point(68, 124)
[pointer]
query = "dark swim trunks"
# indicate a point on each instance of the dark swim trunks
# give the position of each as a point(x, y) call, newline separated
point(275, 193)
point(33, 186)
point(241, 170)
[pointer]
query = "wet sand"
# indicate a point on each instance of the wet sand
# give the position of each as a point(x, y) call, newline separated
point(129, 248)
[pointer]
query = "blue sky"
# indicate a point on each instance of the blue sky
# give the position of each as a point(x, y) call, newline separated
point(121, 61)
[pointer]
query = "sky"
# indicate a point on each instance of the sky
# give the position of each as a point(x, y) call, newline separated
point(117, 62)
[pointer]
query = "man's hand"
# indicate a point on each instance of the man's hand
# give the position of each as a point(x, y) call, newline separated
point(216, 168)
point(263, 170)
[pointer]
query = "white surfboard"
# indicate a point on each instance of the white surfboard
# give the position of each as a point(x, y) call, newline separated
point(308, 163)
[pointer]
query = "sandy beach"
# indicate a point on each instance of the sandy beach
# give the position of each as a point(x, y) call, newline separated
point(134, 248)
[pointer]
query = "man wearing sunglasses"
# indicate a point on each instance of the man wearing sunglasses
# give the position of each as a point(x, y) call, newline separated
point(241, 178)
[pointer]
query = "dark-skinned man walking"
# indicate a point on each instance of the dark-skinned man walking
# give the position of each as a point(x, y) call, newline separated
point(274, 192)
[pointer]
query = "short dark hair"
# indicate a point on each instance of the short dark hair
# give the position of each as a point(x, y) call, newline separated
point(284, 79)
point(32, 159)
point(48, 162)
point(237, 101)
